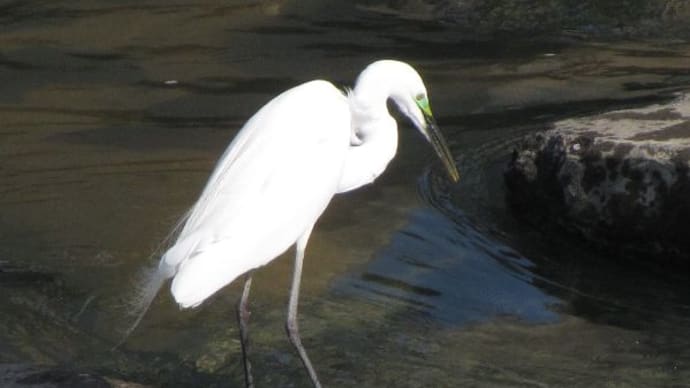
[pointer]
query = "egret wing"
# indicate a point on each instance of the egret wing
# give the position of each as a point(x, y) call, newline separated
point(270, 186)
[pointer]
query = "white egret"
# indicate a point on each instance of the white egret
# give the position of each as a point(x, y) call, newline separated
point(279, 174)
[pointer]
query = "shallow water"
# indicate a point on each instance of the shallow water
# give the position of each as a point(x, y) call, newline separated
point(114, 114)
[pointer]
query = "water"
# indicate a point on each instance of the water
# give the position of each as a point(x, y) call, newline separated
point(113, 115)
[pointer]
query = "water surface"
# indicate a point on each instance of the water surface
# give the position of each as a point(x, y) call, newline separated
point(113, 116)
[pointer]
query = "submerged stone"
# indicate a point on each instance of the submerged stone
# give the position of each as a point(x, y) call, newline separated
point(620, 179)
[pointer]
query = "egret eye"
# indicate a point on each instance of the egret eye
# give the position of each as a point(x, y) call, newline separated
point(420, 97)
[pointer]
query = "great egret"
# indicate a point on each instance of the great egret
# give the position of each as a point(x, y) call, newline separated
point(279, 174)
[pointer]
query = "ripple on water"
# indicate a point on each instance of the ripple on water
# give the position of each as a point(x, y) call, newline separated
point(448, 270)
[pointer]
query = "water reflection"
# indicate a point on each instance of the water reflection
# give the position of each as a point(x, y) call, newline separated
point(451, 272)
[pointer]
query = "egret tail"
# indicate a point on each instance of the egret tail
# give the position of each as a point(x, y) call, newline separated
point(149, 282)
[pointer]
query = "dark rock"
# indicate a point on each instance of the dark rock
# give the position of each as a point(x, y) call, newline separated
point(34, 376)
point(619, 179)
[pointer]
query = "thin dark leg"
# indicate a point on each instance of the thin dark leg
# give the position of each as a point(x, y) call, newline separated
point(243, 318)
point(292, 327)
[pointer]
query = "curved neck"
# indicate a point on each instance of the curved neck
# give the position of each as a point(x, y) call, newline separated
point(375, 139)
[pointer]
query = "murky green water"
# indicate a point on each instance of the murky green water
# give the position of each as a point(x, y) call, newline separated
point(113, 114)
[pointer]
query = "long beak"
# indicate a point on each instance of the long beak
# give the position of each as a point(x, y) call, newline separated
point(439, 143)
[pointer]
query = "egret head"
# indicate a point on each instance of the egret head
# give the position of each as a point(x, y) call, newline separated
point(408, 92)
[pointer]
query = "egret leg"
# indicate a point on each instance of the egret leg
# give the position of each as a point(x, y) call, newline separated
point(243, 319)
point(292, 326)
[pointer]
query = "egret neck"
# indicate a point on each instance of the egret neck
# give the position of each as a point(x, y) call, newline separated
point(375, 135)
